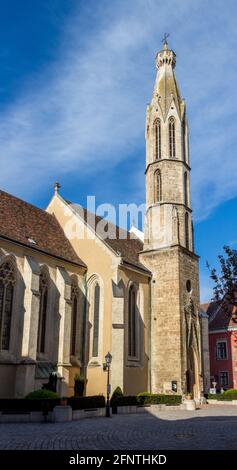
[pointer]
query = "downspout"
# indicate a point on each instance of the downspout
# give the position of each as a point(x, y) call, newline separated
point(149, 337)
point(84, 336)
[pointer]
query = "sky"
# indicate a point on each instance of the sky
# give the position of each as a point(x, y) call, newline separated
point(75, 79)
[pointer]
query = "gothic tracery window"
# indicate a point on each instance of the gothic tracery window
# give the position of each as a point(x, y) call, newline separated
point(42, 312)
point(7, 283)
point(185, 188)
point(184, 141)
point(157, 186)
point(157, 139)
point(187, 230)
point(74, 299)
point(172, 137)
point(96, 318)
point(132, 327)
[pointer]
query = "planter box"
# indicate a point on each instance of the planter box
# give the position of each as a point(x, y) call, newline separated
point(222, 402)
point(6, 417)
point(62, 414)
point(126, 409)
point(89, 413)
point(189, 405)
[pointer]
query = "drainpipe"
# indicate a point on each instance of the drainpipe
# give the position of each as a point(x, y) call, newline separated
point(149, 335)
point(84, 336)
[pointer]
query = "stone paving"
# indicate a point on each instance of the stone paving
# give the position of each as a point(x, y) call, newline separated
point(212, 427)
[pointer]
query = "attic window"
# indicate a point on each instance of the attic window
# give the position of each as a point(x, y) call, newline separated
point(31, 240)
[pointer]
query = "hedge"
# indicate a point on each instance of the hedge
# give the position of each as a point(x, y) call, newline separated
point(81, 403)
point(157, 399)
point(41, 394)
point(27, 404)
point(148, 399)
point(18, 405)
point(222, 396)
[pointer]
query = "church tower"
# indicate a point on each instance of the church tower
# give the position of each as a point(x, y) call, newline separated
point(175, 360)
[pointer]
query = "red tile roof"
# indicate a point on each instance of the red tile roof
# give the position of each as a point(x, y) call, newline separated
point(25, 224)
point(220, 317)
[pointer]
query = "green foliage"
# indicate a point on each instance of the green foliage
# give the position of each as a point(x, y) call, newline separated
point(223, 396)
point(147, 398)
point(225, 282)
point(79, 378)
point(81, 403)
point(231, 391)
point(116, 393)
point(19, 405)
point(42, 394)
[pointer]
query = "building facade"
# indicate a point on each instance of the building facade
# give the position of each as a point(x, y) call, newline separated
point(74, 286)
point(222, 346)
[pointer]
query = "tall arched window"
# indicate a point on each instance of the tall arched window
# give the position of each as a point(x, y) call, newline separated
point(157, 139)
point(172, 137)
point(184, 141)
point(7, 283)
point(157, 186)
point(187, 230)
point(185, 188)
point(96, 318)
point(74, 299)
point(132, 309)
point(42, 312)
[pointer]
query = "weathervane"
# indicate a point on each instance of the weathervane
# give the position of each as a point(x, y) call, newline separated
point(164, 40)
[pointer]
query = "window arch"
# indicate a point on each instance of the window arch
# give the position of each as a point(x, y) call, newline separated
point(132, 321)
point(157, 139)
point(187, 230)
point(7, 284)
point(96, 318)
point(157, 186)
point(184, 141)
point(172, 137)
point(74, 300)
point(185, 188)
point(42, 312)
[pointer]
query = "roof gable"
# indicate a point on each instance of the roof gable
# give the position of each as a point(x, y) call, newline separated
point(28, 225)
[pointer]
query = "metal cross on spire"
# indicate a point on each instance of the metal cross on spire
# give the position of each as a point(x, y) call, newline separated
point(164, 39)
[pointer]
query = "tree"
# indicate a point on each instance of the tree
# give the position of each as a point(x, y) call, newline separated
point(225, 283)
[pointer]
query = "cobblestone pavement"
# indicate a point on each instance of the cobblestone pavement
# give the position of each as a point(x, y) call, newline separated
point(212, 427)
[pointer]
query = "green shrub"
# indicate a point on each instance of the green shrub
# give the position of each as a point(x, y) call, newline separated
point(222, 396)
point(19, 405)
point(146, 398)
point(82, 403)
point(42, 393)
point(231, 391)
point(125, 401)
point(115, 395)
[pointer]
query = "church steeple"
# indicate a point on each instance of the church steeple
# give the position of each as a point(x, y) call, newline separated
point(168, 246)
point(168, 219)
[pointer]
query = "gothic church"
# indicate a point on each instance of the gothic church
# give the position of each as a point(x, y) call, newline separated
point(68, 296)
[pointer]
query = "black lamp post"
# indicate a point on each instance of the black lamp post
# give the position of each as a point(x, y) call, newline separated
point(108, 360)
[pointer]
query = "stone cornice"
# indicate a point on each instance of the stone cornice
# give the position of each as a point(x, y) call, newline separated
point(175, 160)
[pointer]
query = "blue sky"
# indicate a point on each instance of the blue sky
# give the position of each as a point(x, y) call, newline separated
point(75, 79)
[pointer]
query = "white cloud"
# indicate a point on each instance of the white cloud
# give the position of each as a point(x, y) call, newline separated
point(87, 110)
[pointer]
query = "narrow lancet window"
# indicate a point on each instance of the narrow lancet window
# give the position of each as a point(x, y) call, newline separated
point(187, 230)
point(157, 139)
point(172, 137)
point(157, 186)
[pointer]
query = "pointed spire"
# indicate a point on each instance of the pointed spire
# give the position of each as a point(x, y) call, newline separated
point(56, 188)
point(166, 88)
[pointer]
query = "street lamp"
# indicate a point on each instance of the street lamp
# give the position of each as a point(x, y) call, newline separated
point(108, 360)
